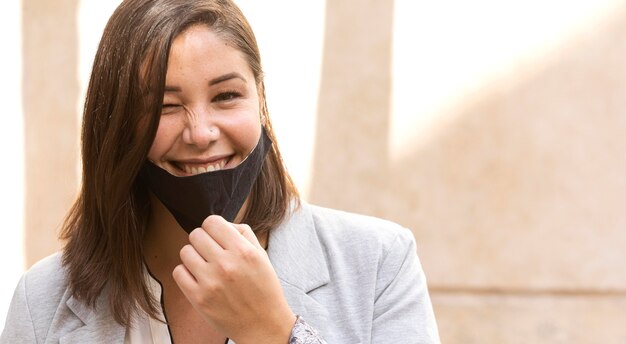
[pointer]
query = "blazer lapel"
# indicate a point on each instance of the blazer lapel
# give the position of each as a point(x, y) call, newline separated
point(98, 326)
point(300, 263)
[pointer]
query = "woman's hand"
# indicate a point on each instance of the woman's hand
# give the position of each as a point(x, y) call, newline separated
point(228, 278)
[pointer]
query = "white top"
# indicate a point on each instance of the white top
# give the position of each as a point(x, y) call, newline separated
point(146, 329)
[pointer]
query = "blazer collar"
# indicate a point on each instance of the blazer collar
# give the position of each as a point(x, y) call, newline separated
point(300, 263)
point(296, 253)
point(98, 326)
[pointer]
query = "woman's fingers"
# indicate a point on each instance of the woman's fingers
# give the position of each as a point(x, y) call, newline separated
point(185, 279)
point(248, 234)
point(193, 261)
point(206, 252)
point(223, 232)
point(204, 244)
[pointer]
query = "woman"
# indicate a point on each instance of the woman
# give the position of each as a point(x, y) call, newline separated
point(188, 228)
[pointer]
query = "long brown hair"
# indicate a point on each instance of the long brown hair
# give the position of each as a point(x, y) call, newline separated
point(104, 228)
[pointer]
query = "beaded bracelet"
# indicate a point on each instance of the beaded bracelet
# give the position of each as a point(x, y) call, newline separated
point(303, 333)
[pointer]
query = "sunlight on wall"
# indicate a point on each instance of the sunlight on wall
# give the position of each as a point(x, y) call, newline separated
point(12, 139)
point(291, 45)
point(446, 51)
point(92, 18)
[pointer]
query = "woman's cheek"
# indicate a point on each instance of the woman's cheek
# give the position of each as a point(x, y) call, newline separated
point(164, 138)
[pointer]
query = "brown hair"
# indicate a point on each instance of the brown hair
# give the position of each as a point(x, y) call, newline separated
point(104, 228)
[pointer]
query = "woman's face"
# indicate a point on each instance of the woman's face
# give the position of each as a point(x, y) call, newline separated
point(210, 118)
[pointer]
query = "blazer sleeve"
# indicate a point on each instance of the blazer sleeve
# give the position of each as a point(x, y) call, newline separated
point(18, 327)
point(402, 310)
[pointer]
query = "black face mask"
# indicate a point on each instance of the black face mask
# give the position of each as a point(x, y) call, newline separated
point(192, 199)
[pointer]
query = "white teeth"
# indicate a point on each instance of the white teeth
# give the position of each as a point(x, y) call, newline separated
point(200, 169)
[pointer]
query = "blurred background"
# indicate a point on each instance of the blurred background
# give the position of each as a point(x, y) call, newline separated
point(495, 130)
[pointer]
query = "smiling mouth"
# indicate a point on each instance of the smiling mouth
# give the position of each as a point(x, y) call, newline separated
point(191, 169)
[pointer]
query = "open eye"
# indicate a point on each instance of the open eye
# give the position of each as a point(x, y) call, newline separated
point(226, 96)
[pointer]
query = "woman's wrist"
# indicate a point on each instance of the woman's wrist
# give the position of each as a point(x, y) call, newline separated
point(278, 333)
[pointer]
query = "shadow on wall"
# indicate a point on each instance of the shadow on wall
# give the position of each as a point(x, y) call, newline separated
point(350, 161)
point(516, 204)
point(50, 90)
point(523, 190)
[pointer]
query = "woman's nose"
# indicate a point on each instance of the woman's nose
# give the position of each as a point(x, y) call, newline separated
point(200, 130)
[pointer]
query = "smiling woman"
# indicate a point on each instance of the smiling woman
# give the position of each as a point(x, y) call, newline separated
point(210, 117)
point(188, 227)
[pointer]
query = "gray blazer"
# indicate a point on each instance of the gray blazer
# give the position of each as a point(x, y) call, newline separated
point(356, 279)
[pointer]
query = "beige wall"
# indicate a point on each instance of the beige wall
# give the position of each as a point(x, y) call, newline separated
point(50, 96)
point(516, 198)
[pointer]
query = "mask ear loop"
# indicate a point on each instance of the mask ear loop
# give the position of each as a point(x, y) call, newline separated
point(266, 123)
point(263, 106)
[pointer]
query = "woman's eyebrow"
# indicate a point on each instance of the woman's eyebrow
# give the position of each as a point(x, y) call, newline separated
point(225, 77)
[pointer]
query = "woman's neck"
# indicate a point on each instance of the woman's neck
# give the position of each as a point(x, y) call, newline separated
point(164, 238)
